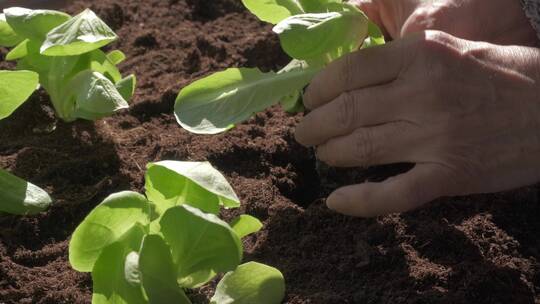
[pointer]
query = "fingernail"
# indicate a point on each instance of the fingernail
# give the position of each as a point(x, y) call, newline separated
point(335, 200)
point(306, 98)
point(299, 134)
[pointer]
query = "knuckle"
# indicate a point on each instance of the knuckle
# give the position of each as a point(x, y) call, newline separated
point(439, 46)
point(436, 39)
point(347, 71)
point(345, 112)
point(438, 55)
point(363, 148)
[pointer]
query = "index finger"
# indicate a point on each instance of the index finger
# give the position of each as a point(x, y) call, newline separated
point(364, 68)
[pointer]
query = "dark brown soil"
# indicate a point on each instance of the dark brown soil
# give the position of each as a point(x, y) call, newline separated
point(481, 249)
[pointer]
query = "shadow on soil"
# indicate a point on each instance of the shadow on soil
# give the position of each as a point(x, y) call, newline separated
point(427, 256)
point(75, 164)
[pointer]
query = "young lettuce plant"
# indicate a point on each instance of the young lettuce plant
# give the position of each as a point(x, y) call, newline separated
point(312, 32)
point(15, 88)
point(149, 249)
point(20, 197)
point(81, 80)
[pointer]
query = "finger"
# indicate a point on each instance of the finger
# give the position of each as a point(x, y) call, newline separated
point(350, 111)
point(364, 68)
point(390, 15)
point(370, 8)
point(424, 183)
point(384, 144)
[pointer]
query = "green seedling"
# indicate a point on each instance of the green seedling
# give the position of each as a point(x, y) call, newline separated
point(82, 81)
point(312, 32)
point(15, 88)
point(151, 248)
point(21, 197)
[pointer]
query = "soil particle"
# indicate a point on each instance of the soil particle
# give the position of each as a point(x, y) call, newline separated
point(477, 249)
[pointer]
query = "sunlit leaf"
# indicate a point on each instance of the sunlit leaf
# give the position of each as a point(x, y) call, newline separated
point(116, 56)
point(19, 51)
point(251, 283)
point(321, 38)
point(126, 86)
point(201, 243)
point(375, 36)
point(15, 88)
point(34, 24)
point(81, 34)
point(8, 37)
point(245, 225)
point(21, 197)
point(214, 104)
point(95, 96)
point(158, 274)
point(116, 215)
point(172, 183)
point(101, 63)
point(273, 11)
point(318, 6)
point(109, 271)
point(292, 103)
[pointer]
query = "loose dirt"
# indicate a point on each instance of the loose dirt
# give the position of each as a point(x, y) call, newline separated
point(479, 249)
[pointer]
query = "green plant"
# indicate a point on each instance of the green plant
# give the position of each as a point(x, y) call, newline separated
point(15, 88)
point(149, 249)
point(313, 32)
point(20, 197)
point(81, 80)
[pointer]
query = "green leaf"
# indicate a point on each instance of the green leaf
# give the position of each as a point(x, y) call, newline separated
point(95, 96)
point(116, 57)
point(245, 225)
point(8, 37)
point(99, 62)
point(273, 11)
point(20, 51)
point(56, 74)
point(318, 6)
point(214, 104)
point(375, 36)
point(251, 283)
point(172, 183)
point(126, 87)
point(83, 33)
point(321, 38)
point(15, 88)
point(158, 275)
point(34, 24)
point(109, 271)
point(21, 197)
point(292, 103)
point(117, 214)
point(201, 243)
point(33, 61)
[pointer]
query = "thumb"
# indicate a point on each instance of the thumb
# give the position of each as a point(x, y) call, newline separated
point(424, 183)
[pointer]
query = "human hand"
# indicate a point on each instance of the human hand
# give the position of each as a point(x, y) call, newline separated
point(466, 113)
point(496, 21)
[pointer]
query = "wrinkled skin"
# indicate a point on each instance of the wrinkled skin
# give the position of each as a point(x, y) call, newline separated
point(466, 113)
point(495, 21)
